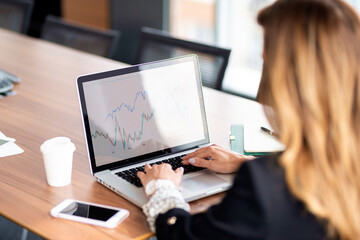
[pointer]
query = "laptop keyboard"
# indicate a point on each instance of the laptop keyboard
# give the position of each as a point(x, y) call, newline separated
point(175, 162)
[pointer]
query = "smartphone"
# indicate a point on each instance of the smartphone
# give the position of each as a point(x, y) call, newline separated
point(5, 140)
point(90, 213)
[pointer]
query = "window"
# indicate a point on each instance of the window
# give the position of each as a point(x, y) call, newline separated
point(237, 28)
point(231, 24)
point(193, 19)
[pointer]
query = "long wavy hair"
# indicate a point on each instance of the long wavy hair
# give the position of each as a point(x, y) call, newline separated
point(311, 81)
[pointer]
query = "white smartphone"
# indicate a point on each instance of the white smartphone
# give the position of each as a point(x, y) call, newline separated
point(5, 140)
point(91, 213)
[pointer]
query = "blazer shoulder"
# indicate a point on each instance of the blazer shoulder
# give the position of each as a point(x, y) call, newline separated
point(285, 215)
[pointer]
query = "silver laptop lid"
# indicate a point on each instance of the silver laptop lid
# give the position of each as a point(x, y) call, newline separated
point(134, 114)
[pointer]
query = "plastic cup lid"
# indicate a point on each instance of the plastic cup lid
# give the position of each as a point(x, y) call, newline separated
point(56, 144)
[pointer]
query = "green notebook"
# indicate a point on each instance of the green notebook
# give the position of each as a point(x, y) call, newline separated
point(237, 140)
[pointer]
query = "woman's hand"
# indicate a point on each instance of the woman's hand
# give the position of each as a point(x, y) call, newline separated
point(162, 171)
point(216, 158)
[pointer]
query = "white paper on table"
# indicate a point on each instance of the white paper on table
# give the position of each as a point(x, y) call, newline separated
point(9, 149)
point(256, 140)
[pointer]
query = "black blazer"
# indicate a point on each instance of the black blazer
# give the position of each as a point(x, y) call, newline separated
point(258, 206)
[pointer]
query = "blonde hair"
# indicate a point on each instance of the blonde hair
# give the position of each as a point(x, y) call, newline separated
point(311, 81)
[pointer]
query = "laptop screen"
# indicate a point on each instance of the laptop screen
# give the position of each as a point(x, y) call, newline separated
point(143, 111)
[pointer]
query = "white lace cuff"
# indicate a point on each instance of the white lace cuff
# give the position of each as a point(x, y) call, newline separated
point(166, 197)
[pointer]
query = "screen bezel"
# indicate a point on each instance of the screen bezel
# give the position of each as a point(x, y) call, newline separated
point(133, 69)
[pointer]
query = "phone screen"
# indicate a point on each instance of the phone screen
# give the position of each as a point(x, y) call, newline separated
point(89, 211)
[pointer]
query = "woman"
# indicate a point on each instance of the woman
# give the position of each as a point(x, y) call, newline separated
point(311, 81)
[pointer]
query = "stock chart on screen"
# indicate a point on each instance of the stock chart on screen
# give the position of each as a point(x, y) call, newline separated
point(142, 112)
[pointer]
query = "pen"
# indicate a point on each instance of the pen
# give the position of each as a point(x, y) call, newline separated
point(268, 131)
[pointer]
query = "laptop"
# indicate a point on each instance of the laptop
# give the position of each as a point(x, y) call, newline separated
point(148, 113)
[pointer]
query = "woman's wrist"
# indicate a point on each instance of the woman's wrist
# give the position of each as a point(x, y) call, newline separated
point(155, 184)
point(166, 196)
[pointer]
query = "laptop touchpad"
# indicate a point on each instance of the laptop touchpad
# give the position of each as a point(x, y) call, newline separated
point(201, 182)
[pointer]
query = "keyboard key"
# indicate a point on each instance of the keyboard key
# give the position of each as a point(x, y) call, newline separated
point(175, 162)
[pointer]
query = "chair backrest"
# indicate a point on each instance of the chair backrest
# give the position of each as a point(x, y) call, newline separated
point(83, 38)
point(156, 45)
point(15, 14)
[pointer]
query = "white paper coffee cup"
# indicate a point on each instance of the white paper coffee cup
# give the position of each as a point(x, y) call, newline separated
point(58, 157)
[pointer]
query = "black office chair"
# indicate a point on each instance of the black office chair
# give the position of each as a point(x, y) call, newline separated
point(156, 45)
point(90, 40)
point(15, 14)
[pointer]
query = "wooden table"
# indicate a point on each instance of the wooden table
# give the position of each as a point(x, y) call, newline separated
point(46, 106)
